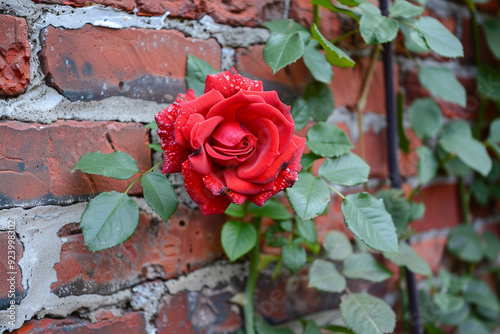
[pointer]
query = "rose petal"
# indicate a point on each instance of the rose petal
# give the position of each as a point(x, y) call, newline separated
point(230, 82)
point(202, 130)
point(216, 186)
point(253, 111)
point(230, 134)
point(209, 204)
point(228, 160)
point(295, 148)
point(201, 163)
point(234, 183)
point(286, 178)
point(266, 150)
point(272, 98)
point(173, 154)
point(229, 106)
point(201, 106)
point(192, 121)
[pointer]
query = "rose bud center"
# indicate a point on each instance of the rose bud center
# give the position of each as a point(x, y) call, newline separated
point(231, 144)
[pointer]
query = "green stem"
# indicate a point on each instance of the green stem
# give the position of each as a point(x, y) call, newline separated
point(475, 31)
point(338, 192)
point(344, 36)
point(140, 177)
point(406, 23)
point(464, 201)
point(404, 299)
point(248, 309)
point(317, 15)
point(483, 103)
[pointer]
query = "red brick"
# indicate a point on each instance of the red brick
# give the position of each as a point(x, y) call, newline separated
point(15, 52)
point(492, 6)
point(348, 83)
point(414, 90)
point(187, 9)
point(37, 159)
point(127, 5)
point(93, 63)
point(431, 250)
point(132, 323)
point(187, 242)
point(332, 24)
point(289, 82)
point(198, 312)
point(442, 208)
point(11, 288)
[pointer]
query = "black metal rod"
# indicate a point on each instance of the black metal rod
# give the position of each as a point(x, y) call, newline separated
point(394, 175)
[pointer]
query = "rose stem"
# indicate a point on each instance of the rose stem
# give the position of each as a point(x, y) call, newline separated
point(248, 308)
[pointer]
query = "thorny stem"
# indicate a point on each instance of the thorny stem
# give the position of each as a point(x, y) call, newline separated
point(464, 200)
point(344, 36)
point(360, 106)
point(317, 15)
point(248, 308)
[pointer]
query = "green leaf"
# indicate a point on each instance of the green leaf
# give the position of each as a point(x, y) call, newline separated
point(480, 191)
point(404, 141)
point(263, 327)
point(196, 73)
point(402, 9)
point(300, 113)
point(346, 170)
point(494, 135)
point(414, 39)
point(274, 237)
point(294, 257)
point(365, 216)
point(324, 276)
point(308, 159)
point(492, 31)
point(283, 49)
point(334, 55)
point(443, 84)
point(118, 165)
point(287, 27)
point(472, 325)
point(328, 5)
point(364, 266)
point(152, 125)
point(488, 82)
point(319, 100)
point(155, 147)
point(235, 210)
point(316, 62)
point(397, 206)
point(438, 38)
point(427, 165)
point(448, 302)
point(311, 328)
point(337, 245)
point(309, 196)
point(375, 28)
point(425, 118)
point(453, 166)
point(307, 229)
point(491, 246)
point(479, 293)
point(366, 314)
point(272, 209)
point(409, 258)
point(159, 194)
point(328, 141)
point(417, 211)
point(237, 239)
point(464, 243)
point(456, 317)
point(109, 219)
point(469, 150)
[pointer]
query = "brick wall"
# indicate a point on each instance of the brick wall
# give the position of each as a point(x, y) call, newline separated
point(78, 76)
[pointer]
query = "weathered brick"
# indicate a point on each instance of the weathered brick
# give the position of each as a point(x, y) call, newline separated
point(206, 311)
point(11, 289)
point(37, 159)
point(442, 208)
point(289, 82)
point(131, 323)
point(15, 52)
point(431, 250)
point(187, 9)
point(93, 63)
point(127, 5)
point(188, 241)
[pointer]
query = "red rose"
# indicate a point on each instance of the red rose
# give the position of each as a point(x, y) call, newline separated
point(235, 142)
